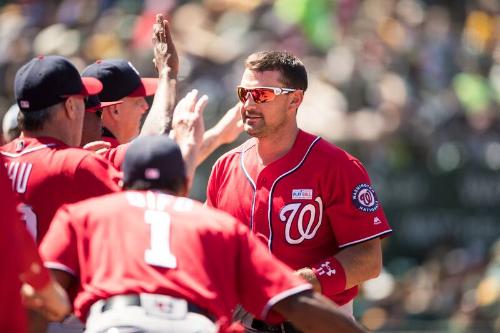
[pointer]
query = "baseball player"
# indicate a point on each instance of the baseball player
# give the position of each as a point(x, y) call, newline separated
point(148, 259)
point(92, 120)
point(311, 201)
point(45, 172)
point(21, 263)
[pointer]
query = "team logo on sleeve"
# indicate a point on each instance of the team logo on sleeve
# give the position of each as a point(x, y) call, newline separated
point(364, 198)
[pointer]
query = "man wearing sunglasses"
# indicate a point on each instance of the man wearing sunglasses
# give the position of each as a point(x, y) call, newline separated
point(92, 121)
point(308, 200)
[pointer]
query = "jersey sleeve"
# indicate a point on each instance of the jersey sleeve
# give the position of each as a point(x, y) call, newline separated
point(354, 211)
point(59, 246)
point(116, 155)
point(263, 279)
point(96, 177)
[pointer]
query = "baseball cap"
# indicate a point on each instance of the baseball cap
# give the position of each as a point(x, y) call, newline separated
point(93, 103)
point(48, 80)
point(120, 79)
point(156, 159)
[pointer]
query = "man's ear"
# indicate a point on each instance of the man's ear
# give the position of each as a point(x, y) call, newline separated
point(114, 112)
point(70, 107)
point(297, 97)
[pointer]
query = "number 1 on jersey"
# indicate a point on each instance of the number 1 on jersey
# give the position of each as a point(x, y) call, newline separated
point(159, 253)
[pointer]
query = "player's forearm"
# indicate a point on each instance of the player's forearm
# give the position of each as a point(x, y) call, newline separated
point(314, 313)
point(159, 119)
point(189, 154)
point(211, 141)
point(361, 262)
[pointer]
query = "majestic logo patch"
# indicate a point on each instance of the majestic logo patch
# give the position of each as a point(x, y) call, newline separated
point(305, 194)
point(364, 197)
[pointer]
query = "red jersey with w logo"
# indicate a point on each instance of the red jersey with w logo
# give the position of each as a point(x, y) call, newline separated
point(308, 205)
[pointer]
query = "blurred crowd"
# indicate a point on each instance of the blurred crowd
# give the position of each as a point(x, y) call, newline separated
point(400, 82)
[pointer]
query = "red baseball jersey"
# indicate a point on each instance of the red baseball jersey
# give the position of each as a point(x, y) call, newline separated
point(151, 242)
point(109, 137)
point(19, 259)
point(46, 173)
point(116, 155)
point(309, 204)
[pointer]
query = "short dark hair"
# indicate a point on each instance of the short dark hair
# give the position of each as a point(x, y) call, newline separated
point(293, 71)
point(34, 120)
point(174, 185)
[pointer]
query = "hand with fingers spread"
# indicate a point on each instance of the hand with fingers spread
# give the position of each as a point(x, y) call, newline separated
point(188, 128)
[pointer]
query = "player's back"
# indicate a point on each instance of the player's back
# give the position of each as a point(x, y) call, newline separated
point(151, 242)
point(46, 174)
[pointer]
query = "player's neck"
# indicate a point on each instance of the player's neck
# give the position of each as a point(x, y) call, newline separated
point(274, 147)
point(47, 132)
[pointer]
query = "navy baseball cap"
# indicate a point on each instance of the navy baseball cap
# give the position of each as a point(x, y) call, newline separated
point(155, 159)
point(93, 103)
point(120, 79)
point(49, 80)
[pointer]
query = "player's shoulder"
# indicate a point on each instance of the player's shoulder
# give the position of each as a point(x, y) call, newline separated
point(331, 153)
point(47, 150)
point(235, 153)
point(96, 205)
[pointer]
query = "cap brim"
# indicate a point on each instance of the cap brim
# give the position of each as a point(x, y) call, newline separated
point(91, 86)
point(102, 105)
point(147, 88)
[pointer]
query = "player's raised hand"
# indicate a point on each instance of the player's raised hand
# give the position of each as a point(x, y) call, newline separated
point(188, 128)
point(165, 54)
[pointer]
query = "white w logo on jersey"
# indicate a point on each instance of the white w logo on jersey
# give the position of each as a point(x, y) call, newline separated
point(306, 229)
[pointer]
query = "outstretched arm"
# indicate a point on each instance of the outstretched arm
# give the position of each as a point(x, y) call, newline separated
point(225, 131)
point(159, 119)
point(312, 312)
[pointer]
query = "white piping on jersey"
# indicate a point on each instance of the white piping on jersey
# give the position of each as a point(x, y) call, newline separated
point(282, 295)
point(30, 150)
point(59, 266)
point(365, 239)
point(251, 183)
point(269, 204)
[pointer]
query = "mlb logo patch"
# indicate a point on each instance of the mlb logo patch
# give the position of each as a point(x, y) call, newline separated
point(302, 194)
point(24, 104)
